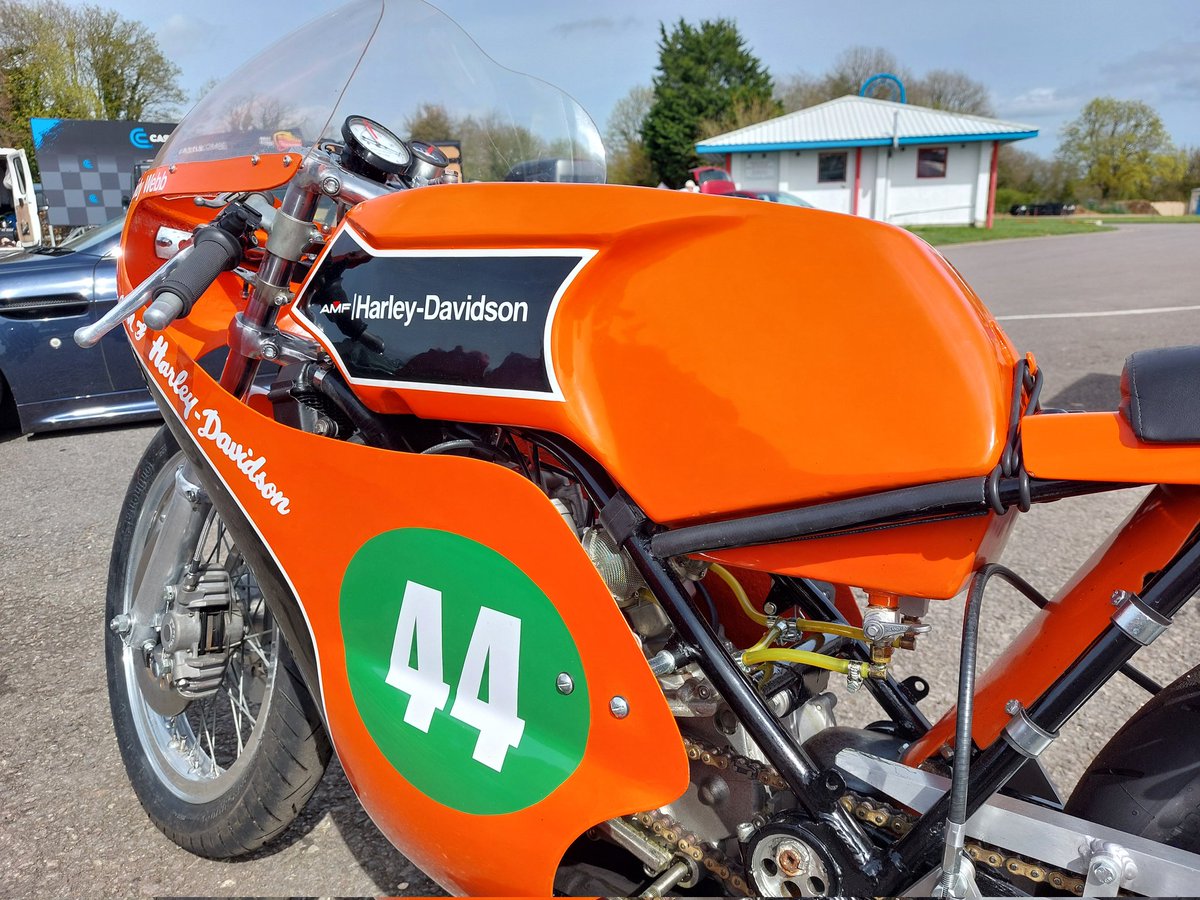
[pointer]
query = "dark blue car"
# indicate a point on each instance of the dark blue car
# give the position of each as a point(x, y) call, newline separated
point(45, 295)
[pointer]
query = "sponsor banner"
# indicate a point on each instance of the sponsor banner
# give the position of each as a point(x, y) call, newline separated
point(87, 166)
point(462, 321)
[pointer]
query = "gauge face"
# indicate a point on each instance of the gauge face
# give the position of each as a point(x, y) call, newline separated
point(426, 151)
point(375, 145)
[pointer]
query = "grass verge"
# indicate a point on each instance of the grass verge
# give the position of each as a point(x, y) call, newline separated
point(1004, 229)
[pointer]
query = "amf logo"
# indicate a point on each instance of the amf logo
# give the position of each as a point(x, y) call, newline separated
point(143, 141)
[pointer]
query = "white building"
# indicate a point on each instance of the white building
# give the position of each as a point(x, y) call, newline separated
point(903, 164)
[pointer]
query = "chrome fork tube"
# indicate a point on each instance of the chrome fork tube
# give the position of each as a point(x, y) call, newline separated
point(274, 279)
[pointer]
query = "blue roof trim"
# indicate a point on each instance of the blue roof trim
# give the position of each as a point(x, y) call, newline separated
point(867, 142)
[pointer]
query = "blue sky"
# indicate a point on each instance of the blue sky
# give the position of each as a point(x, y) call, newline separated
point(1042, 59)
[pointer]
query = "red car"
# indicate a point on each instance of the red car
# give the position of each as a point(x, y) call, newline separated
point(713, 180)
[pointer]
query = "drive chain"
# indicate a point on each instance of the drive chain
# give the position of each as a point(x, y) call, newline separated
point(727, 759)
point(884, 817)
point(667, 830)
point(898, 824)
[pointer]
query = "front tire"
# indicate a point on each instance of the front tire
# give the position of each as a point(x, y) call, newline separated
point(227, 773)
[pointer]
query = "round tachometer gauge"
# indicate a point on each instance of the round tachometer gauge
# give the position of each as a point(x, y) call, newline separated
point(374, 147)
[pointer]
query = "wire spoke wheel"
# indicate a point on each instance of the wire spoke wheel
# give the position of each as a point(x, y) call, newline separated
point(208, 765)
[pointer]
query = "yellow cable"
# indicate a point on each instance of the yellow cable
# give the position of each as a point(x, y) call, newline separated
point(804, 657)
point(740, 592)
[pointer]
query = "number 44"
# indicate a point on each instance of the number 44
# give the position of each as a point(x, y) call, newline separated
point(495, 645)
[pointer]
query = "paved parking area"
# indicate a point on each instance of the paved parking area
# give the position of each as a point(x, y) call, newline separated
point(70, 825)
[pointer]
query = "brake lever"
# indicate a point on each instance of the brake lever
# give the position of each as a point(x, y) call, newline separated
point(220, 201)
point(90, 335)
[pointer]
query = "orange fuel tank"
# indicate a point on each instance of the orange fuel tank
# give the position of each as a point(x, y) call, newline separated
point(717, 356)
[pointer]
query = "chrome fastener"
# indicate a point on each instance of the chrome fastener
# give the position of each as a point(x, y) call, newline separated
point(565, 683)
point(619, 707)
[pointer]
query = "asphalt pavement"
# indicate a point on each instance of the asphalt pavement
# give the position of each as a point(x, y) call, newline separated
point(70, 824)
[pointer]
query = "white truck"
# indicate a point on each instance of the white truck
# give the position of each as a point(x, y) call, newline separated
point(20, 226)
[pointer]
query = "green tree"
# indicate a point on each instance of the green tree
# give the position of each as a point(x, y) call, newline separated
point(705, 73)
point(628, 162)
point(431, 122)
point(81, 62)
point(1118, 149)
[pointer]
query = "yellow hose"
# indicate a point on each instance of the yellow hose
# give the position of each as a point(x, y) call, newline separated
point(830, 628)
point(806, 658)
point(769, 638)
point(801, 624)
point(740, 592)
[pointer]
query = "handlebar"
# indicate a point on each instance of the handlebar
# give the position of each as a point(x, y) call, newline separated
point(213, 252)
point(90, 335)
point(179, 282)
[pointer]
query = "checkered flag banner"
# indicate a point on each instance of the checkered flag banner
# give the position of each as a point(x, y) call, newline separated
point(87, 166)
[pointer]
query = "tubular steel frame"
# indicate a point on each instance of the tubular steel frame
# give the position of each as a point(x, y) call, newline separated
point(919, 851)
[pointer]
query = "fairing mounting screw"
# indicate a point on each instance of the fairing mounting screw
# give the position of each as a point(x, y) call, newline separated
point(287, 160)
point(171, 168)
point(254, 160)
point(565, 683)
point(619, 707)
point(1104, 873)
point(1012, 707)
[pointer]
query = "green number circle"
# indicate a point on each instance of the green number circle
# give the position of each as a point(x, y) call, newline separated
point(469, 577)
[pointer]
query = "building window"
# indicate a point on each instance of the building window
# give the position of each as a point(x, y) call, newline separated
point(931, 162)
point(831, 167)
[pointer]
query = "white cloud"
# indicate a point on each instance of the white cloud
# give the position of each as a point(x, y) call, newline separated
point(1169, 71)
point(600, 24)
point(1041, 102)
point(183, 35)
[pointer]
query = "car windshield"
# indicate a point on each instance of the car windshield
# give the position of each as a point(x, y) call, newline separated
point(411, 68)
point(96, 241)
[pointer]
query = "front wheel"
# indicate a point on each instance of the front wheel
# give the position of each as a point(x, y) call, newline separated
point(219, 736)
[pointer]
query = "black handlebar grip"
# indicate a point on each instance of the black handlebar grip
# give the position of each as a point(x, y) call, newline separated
point(214, 251)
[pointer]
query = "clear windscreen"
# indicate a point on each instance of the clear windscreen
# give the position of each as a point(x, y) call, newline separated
point(411, 68)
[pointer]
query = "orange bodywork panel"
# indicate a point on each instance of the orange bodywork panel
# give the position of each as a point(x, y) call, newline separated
point(858, 362)
point(336, 498)
point(720, 357)
point(932, 560)
point(1143, 544)
point(1052, 449)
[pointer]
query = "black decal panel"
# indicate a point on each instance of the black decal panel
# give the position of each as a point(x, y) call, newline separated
point(474, 321)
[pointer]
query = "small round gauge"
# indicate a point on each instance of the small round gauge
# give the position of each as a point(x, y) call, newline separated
point(428, 162)
point(376, 150)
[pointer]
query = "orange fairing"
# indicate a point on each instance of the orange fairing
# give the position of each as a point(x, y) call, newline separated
point(719, 357)
point(1051, 446)
point(1055, 636)
point(325, 500)
point(932, 560)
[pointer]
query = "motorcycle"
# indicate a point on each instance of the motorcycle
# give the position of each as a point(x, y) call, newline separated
point(487, 502)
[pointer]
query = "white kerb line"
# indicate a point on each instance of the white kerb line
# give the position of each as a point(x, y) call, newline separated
point(1100, 314)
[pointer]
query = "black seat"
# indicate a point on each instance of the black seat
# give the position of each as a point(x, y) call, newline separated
point(1160, 395)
